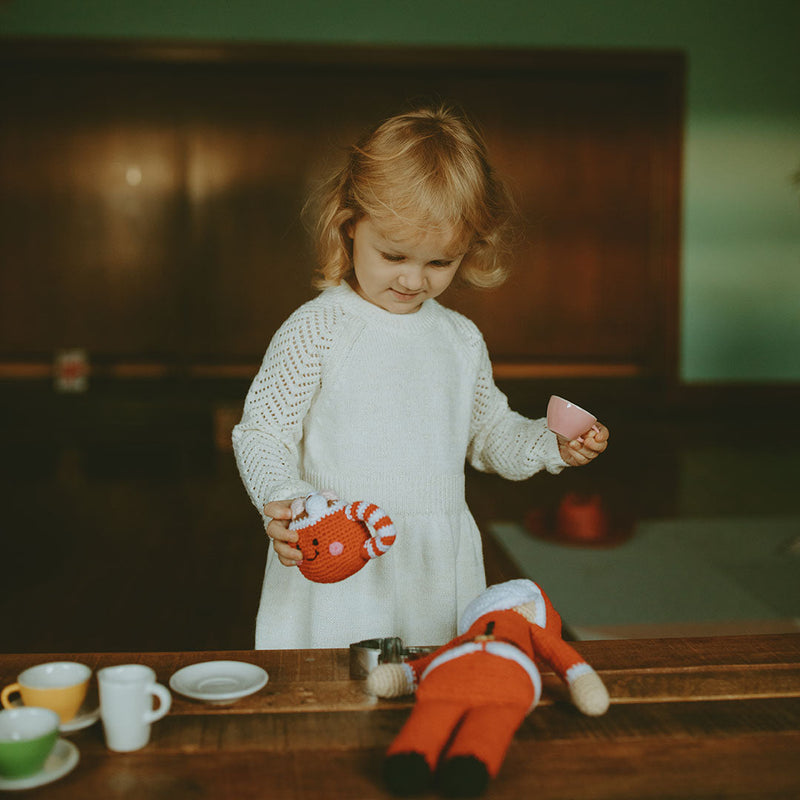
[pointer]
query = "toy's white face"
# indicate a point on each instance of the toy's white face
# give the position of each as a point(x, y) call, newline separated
point(400, 274)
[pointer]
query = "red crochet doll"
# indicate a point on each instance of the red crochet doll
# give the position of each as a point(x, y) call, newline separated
point(336, 538)
point(473, 693)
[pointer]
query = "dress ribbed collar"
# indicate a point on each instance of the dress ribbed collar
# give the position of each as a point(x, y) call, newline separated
point(352, 302)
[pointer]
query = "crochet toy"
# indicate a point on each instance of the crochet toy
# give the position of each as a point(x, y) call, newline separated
point(335, 537)
point(474, 692)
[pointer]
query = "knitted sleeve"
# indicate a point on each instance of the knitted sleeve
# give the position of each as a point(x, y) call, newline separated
point(267, 440)
point(504, 441)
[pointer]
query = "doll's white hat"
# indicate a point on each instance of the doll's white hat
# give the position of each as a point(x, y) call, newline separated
point(499, 597)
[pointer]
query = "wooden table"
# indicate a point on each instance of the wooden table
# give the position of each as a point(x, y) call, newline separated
point(694, 718)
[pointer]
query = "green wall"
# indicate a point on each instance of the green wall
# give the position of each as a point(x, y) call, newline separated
point(741, 247)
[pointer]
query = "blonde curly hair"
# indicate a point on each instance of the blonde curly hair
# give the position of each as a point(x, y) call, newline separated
point(425, 170)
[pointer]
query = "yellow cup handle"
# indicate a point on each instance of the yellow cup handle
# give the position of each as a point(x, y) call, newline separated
point(12, 688)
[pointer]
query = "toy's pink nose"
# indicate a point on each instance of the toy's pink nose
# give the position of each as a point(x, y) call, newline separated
point(336, 548)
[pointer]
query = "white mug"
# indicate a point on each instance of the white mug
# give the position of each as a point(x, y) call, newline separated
point(126, 705)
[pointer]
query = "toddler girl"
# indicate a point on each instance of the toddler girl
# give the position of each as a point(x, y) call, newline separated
point(377, 392)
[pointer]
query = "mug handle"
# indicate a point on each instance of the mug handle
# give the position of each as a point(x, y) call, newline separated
point(165, 701)
point(12, 688)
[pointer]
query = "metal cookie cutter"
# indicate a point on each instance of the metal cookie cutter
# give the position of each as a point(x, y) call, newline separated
point(367, 654)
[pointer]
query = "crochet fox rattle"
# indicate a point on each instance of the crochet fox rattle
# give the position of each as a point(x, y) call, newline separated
point(473, 693)
point(335, 538)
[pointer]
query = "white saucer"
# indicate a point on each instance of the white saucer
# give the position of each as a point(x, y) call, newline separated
point(61, 761)
point(218, 682)
point(83, 719)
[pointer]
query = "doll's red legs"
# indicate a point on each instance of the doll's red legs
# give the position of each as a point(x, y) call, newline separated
point(471, 756)
point(413, 756)
point(478, 749)
point(466, 714)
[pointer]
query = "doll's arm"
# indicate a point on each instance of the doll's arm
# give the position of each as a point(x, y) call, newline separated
point(589, 693)
point(391, 680)
point(395, 680)
point(586, 688)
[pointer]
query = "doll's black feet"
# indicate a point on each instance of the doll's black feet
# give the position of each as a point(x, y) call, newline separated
point(406, 774)
point(462, 776)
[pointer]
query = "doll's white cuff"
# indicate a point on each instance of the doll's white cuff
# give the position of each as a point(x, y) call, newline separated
point(575, 671)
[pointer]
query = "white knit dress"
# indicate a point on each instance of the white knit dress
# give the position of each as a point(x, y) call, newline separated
point(385, 408)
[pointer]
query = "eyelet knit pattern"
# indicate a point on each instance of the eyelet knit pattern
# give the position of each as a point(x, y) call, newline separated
point(387, 407)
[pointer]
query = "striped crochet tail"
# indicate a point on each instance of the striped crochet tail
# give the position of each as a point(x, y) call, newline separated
point(381, 524)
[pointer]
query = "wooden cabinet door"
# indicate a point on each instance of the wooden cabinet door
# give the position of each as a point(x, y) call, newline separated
point(151, 197)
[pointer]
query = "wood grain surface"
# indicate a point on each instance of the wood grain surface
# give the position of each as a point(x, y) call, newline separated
point(690, 718)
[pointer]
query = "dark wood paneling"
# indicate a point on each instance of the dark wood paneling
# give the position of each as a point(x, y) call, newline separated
point(202, 258)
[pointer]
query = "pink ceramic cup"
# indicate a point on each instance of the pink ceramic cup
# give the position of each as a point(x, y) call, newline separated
point(568, 420)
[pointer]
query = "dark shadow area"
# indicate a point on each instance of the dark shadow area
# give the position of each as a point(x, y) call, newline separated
point(127, 528)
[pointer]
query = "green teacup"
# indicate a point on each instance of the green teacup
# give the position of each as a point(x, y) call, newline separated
point(27, 737)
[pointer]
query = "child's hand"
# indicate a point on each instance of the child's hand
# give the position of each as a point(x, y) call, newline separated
point(576, 453)
point(278, 530)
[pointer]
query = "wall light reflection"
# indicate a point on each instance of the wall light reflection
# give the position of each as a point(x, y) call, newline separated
point(133, 176)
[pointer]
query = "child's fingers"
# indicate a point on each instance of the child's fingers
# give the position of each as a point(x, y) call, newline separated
point(279, 509)
point(596, 440)
point(281, 515)
point(288, 555)
point(577, 459)
point(283, 539)
point(278, 530)
point(594, 446)
point(599, 432)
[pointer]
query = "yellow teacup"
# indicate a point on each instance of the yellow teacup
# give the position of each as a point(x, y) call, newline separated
point(58, 685)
